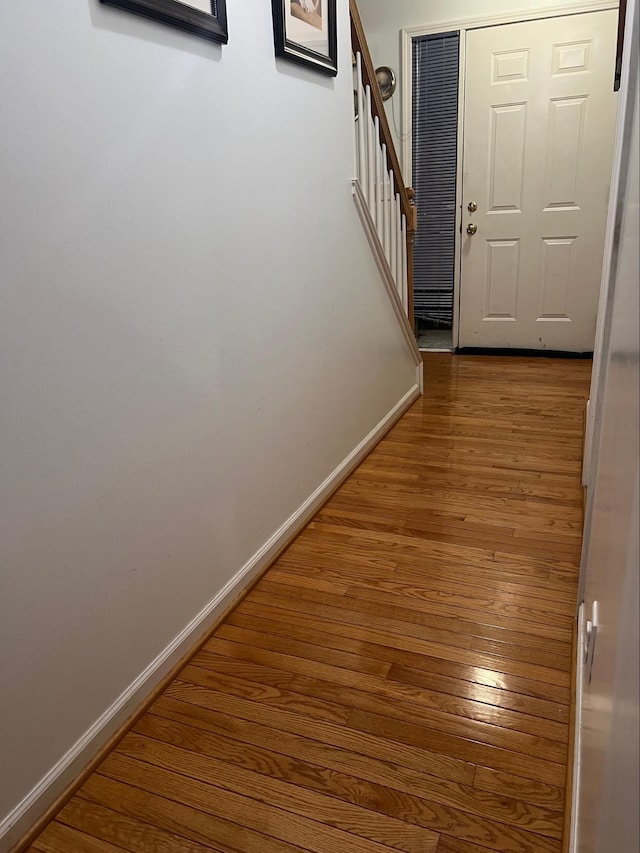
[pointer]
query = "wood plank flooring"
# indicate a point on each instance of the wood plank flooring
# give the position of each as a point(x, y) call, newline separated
point(400, 678)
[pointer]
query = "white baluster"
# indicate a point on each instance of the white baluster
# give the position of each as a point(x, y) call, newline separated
point(405, 280)
point(384, 194)
point(378, 177)
point(387, 236)
point(362, 128)
point(400, 250)
point(372, 143)
point(393, 254)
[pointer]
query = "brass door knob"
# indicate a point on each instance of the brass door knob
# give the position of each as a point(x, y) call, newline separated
point(472, 207)
point(472, 228)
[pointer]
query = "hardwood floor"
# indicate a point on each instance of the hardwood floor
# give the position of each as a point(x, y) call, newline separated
point(400, 678)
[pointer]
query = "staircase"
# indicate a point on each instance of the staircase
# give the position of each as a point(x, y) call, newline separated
point(385, 204)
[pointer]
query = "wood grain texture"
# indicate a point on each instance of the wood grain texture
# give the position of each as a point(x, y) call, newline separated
point(400, 679)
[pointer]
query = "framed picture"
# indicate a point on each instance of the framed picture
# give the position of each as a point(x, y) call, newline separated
point(205, 18)
point(305, 32)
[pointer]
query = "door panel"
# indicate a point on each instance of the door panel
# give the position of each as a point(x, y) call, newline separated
point(538, 124)
point(557, 275)
point(564, 152)
point(506, 172)
point(503, 274)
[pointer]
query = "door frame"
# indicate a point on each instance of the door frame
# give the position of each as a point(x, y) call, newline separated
point(463, 25)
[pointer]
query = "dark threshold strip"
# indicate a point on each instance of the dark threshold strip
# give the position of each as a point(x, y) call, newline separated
point(543, 353)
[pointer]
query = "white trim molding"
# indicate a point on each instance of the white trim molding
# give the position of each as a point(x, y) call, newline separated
point(462, 25)
point(49, 788)
point(594, 404)
point(385, 270)
point(577, 728)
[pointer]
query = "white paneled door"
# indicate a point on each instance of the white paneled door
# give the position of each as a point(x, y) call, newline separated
point(539, 122)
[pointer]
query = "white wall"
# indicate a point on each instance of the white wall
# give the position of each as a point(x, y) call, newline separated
point(383, 21)
point(608, 780)
point(194, 335)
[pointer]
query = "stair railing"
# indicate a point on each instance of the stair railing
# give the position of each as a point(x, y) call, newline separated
point(378, 174)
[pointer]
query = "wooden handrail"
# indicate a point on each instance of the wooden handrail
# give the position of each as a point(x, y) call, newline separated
point(359, 44)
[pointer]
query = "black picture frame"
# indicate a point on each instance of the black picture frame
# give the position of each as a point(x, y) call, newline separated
point(209, 25)
point(301, 45)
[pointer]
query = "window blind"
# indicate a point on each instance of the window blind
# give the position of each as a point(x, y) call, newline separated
point(434, 147)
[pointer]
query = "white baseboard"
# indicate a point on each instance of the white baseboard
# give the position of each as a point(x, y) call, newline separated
point(385, 270)
point(61, 775)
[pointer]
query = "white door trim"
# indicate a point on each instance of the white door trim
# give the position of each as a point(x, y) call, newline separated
point(462, 25)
